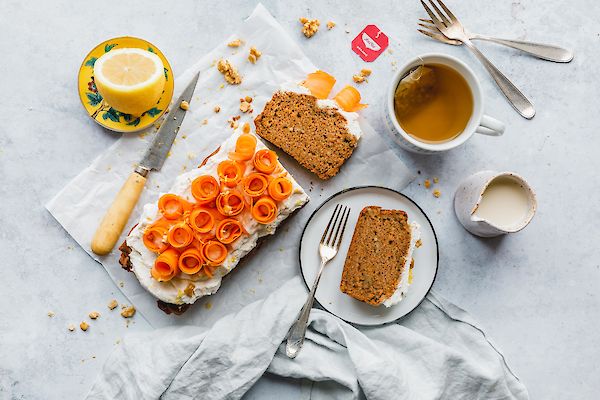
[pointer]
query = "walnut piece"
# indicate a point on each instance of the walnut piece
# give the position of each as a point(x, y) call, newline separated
point(113, 304)
point(229, 72)
point(128, 312)
point(309, 26)
point(84, 326)
point(358, 78)
point(235, 43)
point(94, 315)
point(254, 55)
point(245, 106)
point(189, 290)
point(217, 109)
point(330, 25)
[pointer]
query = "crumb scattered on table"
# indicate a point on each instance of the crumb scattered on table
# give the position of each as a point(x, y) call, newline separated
point(217, 109)
point(128, 312)
point(71, 327)
point(330, 25)
point(229, 72)
point(204, 121)
point(184, 105)
point(361, 76)
point(436, 180)
point(235, 43)
point(309, 26)
point(437, 193)
point(208, 305)
point(418, 243)
point(84, 326)
point(254, 55)
point(427, 183)
point(51, 314)
point(94, 315)
point(121, 283)
point(246, 128)
point(112, 304)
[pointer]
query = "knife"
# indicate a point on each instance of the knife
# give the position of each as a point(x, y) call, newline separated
point(116, 217)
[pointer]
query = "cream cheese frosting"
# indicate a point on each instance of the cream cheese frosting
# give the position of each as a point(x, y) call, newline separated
point(403, 285)
point(174, 291)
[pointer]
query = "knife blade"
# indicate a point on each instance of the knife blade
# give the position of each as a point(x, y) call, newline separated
point(118, 213)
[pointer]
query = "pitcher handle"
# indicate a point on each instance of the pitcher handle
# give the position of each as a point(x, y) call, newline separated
point(490, 126)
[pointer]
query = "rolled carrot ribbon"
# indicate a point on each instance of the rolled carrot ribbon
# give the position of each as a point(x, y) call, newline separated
point(201, 220)
point(255, 184)
point(245, 146)
point(153, 238)
point(280, 188)
point(319, 84)
point(205, 189)
point(214, 253)
point(172, 206)
point(264, 210)
point(230, 203)
point(191, 261)
point(180, 235)
point(228, 231)
point(349, 99)
point(230, 173)
point(265, 161)
point(166, 265)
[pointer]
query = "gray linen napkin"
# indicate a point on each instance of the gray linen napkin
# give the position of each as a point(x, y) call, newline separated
point(437, 352)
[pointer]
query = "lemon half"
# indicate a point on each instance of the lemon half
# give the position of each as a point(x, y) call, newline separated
point(130, 80)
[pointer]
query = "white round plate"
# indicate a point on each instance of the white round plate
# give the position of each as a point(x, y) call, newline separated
point(329, 295)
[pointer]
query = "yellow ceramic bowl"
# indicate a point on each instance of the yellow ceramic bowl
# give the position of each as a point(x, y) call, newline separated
point(103, 113)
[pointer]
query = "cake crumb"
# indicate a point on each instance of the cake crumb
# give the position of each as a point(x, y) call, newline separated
point(113, 304)
point(436, 180)
point(330, 25)
point(365, 72)
point(217, 109)
point(184, 105)
point(121, 283)
point(208, 305)
point(254, 55)
point(204, 122)
point(229, 72)
point(71, 327)
point(427, 183)
point(51, 314)
point(235, 43)
point(309, 26)
point(437, 193)
point(128, 312)
point(418, 243)
point(84, 326)
point(358, 78)
point(94, 315)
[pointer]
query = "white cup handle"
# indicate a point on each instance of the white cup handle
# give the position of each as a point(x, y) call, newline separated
point(490, 126)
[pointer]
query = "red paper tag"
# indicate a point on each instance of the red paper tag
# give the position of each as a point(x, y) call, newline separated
point(370, 43)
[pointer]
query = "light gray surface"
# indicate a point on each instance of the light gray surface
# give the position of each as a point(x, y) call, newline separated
point(536, 291)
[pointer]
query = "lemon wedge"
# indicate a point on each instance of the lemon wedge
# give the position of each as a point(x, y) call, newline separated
point(130, 80)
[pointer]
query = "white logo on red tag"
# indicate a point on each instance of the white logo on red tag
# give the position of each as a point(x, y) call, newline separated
point(370, 43)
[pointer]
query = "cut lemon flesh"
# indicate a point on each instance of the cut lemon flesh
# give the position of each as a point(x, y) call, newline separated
point(130, 80)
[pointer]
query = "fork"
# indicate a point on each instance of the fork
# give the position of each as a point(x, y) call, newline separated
point(539, 50)
point(449, 25)
point(328, 248)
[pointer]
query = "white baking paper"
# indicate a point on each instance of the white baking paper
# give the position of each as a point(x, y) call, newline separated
point(80, 205)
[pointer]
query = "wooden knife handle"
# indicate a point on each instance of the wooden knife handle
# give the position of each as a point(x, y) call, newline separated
point(116, 217)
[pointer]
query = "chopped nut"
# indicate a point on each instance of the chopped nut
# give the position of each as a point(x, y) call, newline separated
point(71, 327)
point(248, 99)
point(246, 128)
point(427, 183)
point(362, 76)
point(189, 290)
point(235, 43)
point(113, 304)
point(254, 55)
point(418, 243)
point(204, 121)
point(184, 105)
point(358, 78)
point(51, 314)
point(244, 106)
point(365, 72)
point(437, 193)
point(217, 109)
point(229, 72)
point(94, 315)
point(436, 180)
point(128, 312)
point(330, 25)
point(84, 326)
point(309, 26)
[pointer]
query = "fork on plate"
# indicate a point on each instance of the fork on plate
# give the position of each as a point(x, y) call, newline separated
point(328, 248)
point(450, 27)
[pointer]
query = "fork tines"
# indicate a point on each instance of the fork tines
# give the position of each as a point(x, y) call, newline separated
point(338, 221)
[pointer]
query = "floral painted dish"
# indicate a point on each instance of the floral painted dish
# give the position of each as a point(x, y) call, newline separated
point(103, 113)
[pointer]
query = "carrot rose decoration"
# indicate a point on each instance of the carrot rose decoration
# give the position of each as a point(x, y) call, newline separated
point(180, 235)
point(228, 231)
point(166, 266)
point(319, 84)
point(255, 184)
point(265, 161)
point(190, 261)
point(230, 173)
point(172, 206)
point(349, 99)
point(201, 220)
point(245, 146)
point(280, 188)
point(153, 238)
point(205, 189)
point(264, 210)
point(230, 203)
point(214, 253)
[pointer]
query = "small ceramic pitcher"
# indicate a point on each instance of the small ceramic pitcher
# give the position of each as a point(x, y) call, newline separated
point(468, 197)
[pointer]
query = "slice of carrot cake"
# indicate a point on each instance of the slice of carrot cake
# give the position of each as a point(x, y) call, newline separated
point(379, 262)
point(318, 132)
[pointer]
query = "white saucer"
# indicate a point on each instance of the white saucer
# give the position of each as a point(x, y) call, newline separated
point(329, 295)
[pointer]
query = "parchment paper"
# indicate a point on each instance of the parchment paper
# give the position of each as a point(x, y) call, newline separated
point(80, 205)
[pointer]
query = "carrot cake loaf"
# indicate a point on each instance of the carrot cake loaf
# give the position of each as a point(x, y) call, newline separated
point(194, 235)
point(318, 132)
point(378, 267)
